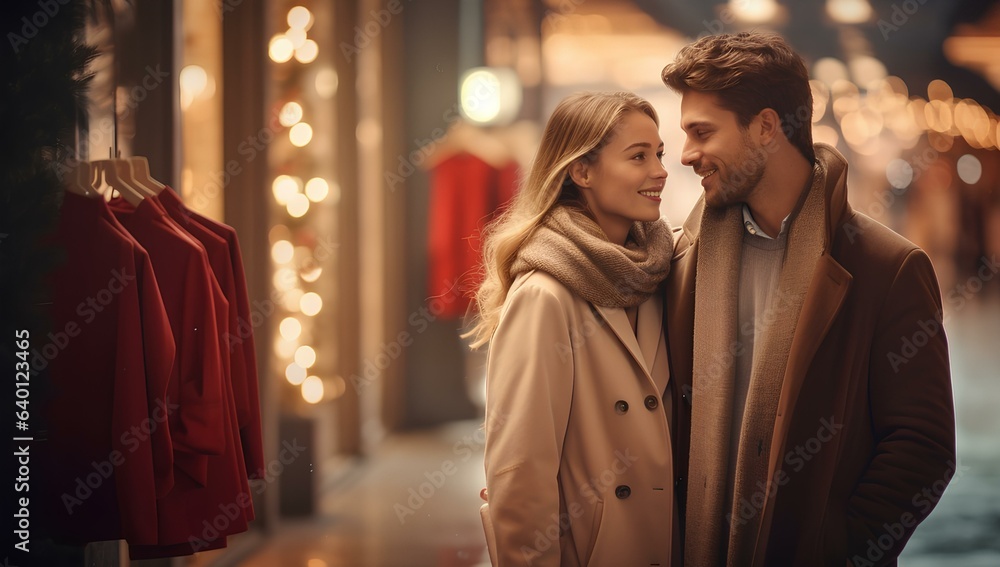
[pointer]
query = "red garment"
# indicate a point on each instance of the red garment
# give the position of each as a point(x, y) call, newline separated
point(224, 287)
point(196, 384)
point(104, 452)
point(159, 361)
point(240, 347)
point(190, 515)
point(466, 192)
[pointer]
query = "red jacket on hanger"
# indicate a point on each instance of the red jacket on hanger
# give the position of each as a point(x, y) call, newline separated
point(191, 514)
point(223, 284)
point(466, 192)
point(159, 361)
point(110, 355)
point(240, 347)
point(196, 385)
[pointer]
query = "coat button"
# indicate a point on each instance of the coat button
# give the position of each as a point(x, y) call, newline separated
point(678, 481)
point(686, 399)
point(621, 406)
point(623, 492)
point(651, 402)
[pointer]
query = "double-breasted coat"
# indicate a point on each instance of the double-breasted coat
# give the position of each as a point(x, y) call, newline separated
point(578, 458)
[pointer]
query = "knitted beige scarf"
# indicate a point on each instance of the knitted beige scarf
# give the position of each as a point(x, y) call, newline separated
point(572, 248)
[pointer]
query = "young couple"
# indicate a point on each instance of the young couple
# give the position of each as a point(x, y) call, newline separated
point(732, 393)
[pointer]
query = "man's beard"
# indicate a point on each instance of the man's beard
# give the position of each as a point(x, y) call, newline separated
point(741, 180)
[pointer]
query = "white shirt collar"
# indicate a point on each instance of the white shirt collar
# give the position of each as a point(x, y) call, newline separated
point(753, 228)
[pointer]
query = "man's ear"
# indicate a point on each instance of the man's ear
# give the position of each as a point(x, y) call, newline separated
point(769, 126)
point(579, 172)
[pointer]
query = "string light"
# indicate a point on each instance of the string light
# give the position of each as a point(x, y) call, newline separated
point(307, 52)
point(295, 374)
point(284, 188)
point(297, 36)
point(300, 134)
point(970, 169)
point(290, 328)
point(305, 356)
point(282, 252)
point(317, 189)
point(311, 303)
point(849, 11)
point(300, 18)
point(291, 114)
point(298, 205)
point(754, 11)
point(296, 265)
point(280, 49)
point(312, 390)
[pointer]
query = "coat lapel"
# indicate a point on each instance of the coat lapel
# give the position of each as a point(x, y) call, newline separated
point(650, 332)
point(618, 321)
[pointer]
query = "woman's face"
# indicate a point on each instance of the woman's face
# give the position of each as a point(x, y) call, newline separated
point(624, 183)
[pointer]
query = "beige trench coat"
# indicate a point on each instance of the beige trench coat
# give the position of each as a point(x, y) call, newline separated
point(578, 453)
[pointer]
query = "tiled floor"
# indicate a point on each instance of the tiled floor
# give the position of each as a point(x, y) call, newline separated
point(415, 502)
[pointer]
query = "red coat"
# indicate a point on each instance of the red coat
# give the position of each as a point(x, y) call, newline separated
point(183, 275)
point(159, 361)
point(226, 319)
point(227, 264)
point(465, 194)
point(106, 456)
point(211, 486)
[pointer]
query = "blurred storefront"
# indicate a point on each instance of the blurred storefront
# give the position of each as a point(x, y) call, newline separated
point(330, 135)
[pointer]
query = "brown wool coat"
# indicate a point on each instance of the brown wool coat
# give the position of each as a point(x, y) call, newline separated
point(578, 459)
point(863, 438)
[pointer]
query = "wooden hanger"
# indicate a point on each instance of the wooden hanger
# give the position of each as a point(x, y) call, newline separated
point(82, 181)
point(117, 172)
point(140, 173)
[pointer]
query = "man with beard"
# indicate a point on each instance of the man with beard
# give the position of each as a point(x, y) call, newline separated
point(812, 388)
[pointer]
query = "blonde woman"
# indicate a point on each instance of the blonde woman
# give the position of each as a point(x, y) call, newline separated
point(578, 448)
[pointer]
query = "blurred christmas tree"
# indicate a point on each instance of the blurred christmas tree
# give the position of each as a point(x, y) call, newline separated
point(44, 70)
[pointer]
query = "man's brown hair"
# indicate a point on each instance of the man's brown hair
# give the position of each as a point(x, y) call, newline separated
point(749, 71)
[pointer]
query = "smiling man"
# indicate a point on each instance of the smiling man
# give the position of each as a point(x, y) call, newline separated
point(805, 441)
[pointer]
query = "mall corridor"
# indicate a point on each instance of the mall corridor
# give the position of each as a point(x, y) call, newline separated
point(415, 501)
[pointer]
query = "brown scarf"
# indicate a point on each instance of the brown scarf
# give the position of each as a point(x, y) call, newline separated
point(572, 248)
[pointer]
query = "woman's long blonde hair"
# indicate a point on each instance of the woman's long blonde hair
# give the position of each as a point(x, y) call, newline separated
point(579, 127)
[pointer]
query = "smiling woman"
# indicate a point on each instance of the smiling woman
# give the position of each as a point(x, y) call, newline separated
point(570, 311)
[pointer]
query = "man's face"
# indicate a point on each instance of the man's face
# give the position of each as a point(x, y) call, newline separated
point(730, 163)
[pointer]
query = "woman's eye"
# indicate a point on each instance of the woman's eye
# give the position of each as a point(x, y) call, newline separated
point(639, 156)
point(659, 156)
